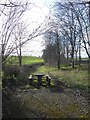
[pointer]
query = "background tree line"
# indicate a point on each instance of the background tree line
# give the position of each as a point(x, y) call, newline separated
point(69, 33)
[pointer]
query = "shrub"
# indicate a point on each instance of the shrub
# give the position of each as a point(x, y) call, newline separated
point(10, 75)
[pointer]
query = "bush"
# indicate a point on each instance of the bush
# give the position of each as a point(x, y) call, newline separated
point(10, 76)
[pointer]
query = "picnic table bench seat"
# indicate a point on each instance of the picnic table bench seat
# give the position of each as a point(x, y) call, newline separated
point(30, 79)
point(48, 79)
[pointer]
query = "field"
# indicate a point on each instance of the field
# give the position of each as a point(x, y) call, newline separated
point(32, 60)
point(26, 60)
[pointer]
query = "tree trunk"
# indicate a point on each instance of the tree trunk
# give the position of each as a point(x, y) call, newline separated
point(67, 54)
point(73, 57)
point(58, 50)
point(76, 57)
point(20, 57)
point(79, 51)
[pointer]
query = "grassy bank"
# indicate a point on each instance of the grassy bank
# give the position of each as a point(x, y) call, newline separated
point(74, 78)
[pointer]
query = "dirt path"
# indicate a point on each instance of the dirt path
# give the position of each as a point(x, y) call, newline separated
point(47, 103)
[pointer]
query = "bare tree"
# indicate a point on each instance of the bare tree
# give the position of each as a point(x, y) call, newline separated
point(79, 48)
point(58, 49)
point(82, 16)
point(20, 34)
point(6, 5)
point(68, 26)
point(11, 19)
point(53, 38)
point(73, 21)
point(14, 13)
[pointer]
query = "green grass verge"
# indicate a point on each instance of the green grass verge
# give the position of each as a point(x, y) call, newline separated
point(75, 78)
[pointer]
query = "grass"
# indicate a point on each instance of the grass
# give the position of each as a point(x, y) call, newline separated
point(46, 69)
point(76, 78)
point(73, 78)
point(31, 60)
point(26, 60)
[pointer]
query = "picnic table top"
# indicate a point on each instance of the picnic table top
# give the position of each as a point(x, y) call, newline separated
point(39, 74)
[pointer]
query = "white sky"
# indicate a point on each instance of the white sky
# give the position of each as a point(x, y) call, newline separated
point(36, 15)
point(33, 18)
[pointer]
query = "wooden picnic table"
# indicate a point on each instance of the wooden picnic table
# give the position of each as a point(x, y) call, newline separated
point(39, 78)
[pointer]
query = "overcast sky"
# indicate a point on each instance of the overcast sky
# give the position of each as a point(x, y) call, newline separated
point(36, 16)
point(33, 18)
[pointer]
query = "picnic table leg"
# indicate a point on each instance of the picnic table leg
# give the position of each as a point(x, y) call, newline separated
point(39, 80)
point(49, 80)
point(30, 82)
